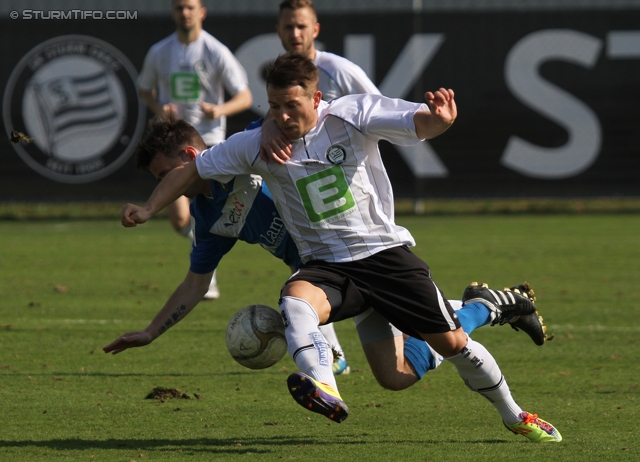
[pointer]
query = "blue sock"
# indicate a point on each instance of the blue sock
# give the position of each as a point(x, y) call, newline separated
point(419, 355)
point(473, 315)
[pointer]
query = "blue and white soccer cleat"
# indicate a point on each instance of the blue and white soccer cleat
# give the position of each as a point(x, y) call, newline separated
point(340, 367)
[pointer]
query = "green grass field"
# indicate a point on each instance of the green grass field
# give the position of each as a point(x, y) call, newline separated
point(70, 287)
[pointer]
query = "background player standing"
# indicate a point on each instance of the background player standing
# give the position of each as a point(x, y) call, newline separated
point(186, 75)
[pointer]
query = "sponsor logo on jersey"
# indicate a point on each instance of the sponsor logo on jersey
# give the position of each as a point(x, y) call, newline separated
point(274, 235)
point(185, 86)
point(235, 210)
point(326, 196)
point(75, 96)
point(336, 154)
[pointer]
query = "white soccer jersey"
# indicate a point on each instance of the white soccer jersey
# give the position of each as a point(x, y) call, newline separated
point(186, 75)
point(334, 194)
point(340, 77)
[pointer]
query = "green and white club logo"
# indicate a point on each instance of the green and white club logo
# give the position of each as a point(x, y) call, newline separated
point(326, 196)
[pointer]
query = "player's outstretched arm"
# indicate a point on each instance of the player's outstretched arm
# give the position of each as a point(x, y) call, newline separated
point(442, 115)
point(175, 184)
point(183, 300)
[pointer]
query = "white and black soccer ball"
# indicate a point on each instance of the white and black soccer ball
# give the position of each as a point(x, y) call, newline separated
point(255, 337)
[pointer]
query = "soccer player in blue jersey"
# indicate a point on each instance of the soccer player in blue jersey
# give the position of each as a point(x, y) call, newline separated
point(243, 209)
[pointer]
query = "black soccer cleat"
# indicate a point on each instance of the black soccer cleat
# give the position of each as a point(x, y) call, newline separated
point(505, 304)
point(531, 324)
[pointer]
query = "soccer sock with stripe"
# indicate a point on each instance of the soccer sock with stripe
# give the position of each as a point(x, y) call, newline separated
point(481, 373)
point(306, 344)
point(422, 358)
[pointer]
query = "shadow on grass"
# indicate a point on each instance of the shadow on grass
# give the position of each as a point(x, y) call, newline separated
point(218, 445)
point(133, 374)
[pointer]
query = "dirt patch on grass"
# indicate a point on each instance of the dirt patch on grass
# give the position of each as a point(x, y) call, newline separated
point(162, 394)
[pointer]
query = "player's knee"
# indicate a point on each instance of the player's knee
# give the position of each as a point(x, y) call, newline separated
point(447, 344)
point(396, 381)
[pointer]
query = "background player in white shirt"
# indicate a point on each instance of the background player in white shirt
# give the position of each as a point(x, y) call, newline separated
point(185, 75)
point(336, 201)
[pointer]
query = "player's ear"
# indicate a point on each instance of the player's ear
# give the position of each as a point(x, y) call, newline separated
point(191, 152)
point(317, 97)
point(203, 13)
point(316, 30)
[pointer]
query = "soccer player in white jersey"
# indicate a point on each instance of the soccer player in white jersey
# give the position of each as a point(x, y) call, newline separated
point(297, 29)
point(185, 75)
point(336, 200)
point(242, 209)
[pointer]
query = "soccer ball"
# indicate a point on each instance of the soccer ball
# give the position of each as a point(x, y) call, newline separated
point(255, 337)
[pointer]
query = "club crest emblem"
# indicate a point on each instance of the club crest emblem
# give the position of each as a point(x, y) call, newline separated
point(74, 98)
point(336, 154)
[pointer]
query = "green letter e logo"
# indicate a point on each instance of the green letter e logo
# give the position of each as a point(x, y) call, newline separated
point(326, 194)
point(184, 86)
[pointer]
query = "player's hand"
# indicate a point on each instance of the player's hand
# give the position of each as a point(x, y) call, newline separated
point(211, 111)
point(442, 105)
point(128, 340)
point(132, 215)
point(274, 145)
point(170, 110)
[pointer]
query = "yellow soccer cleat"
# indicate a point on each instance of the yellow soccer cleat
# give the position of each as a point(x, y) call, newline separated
point(535, 429)
point(317, 397)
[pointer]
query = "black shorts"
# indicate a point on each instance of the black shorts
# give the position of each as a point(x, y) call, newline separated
point(394, 282)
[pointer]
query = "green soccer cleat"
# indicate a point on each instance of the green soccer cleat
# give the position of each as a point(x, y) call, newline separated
point(317, 397)
point(535, 429)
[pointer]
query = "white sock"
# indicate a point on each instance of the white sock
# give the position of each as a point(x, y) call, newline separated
point(329, 333)
point(481, 373)
point(307, 346)
point(439, 358)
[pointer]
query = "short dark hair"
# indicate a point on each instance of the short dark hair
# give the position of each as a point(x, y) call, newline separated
point(292, 69)
point(166, 136)
point(297, 5)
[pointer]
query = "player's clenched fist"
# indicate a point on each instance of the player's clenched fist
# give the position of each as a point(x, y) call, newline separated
point(132, 215)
